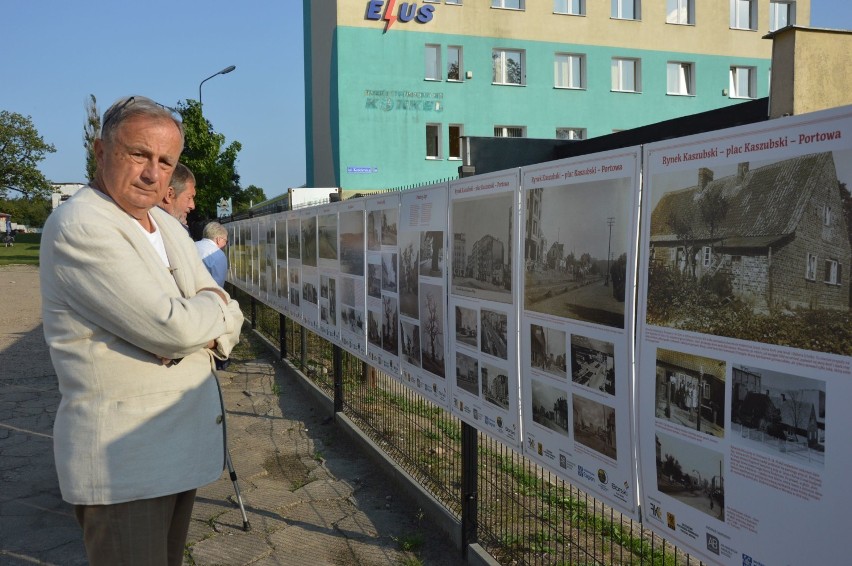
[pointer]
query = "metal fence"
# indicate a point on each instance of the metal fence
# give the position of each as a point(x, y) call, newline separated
point(517, 511)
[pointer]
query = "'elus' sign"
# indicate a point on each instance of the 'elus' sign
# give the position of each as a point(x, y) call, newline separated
point(407, 11)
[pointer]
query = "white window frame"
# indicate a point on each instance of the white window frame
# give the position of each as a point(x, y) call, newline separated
point(626, 9)
point(460, 52)
point(706, 256)
point(810, 267)
point(458, 149)
point(617, 68)
point(744, 14)
point(504, 131)
point(455, 2)
point(432, 62)
point(779, 8)
point(832, 272)
point(570, 133)
point(570, 7)
point(827, 215)
point(509, 4)
point(680, 12)
point(736, 81)
point(435, 137)
point(499, 60)
point(575, 79)
point(680, 78)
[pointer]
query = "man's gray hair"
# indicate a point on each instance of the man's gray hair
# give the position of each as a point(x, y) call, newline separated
point(130, 106)
point(181, 177)
point(215, 230)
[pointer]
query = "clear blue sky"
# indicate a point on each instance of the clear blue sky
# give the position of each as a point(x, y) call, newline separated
point(57, 52)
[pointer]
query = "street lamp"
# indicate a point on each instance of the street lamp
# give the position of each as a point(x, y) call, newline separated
point(224, 71)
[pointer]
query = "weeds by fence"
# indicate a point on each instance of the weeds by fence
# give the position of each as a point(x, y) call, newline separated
point(523, 513)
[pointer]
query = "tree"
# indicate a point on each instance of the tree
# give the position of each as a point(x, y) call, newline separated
point(245, 198)
point(90, 133)
point(212, 163)
point(21, 149)
point(31, 212)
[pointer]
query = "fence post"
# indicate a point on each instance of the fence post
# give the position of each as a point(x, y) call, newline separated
point(253, 313)
point(337, 357)
point(304, 354)
point(470, 475)
point(282, 335)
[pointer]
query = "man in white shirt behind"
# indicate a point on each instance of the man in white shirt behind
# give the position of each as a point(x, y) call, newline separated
point(210, 251)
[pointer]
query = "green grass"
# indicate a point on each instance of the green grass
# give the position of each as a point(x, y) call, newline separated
point(25, 250)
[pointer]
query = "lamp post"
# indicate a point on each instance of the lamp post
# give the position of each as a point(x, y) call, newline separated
point(224, 71)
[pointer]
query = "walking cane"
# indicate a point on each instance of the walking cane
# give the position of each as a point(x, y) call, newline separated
point(232, 473)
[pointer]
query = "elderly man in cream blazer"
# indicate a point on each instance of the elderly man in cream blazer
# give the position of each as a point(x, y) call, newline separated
point(134, 323)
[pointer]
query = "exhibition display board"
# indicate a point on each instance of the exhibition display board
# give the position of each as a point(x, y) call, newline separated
point(744, 340)
point(667, 327)
point(579, 257)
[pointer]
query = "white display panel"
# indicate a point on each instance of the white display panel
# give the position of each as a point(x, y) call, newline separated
point(580, 237)
point(328, 267)
point(744, 340)
point(309, 280)
point(352, 277)
point(483, 365)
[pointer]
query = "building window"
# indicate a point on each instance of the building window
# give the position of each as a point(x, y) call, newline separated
point(810, 268)
point(508, 67)
point(827, 215)
point(743, 82)
point(571, 7)
point(782, 13)
point(570, 133)
point(706, 256)
point(454, 63)
point(457, 2)
point(433, 62)
point(626, 9)
point(508, 4)
point(433, 141)
point(509, 132)
point(744, 14)
point(680, 78)
point(680, 12)
point(456, 133)
point(832, 272)
point(626, 75)
point(569, 71)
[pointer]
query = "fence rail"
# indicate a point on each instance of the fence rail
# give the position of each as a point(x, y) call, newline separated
point(517, 511)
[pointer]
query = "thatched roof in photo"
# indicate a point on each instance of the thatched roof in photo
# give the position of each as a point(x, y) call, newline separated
point(763, 204)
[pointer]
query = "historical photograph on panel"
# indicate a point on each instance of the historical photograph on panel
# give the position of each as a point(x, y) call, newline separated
point(352, 242)
point(494, 339)
point(779, 413)
point(431, 254)
point(348, 292)
point(547, 350)
point(374, 328)
point(411, 342)
point(432, 299)
point(594, 425)
point(690, 391)
point(309, 291)
point(549, 406)
point(692, 474)
point(374, 280)
point(374, 230)
point(327, 236)
point(389, 220)
point(389, 275)
point(293, 240)
point(758, 251)
point(352, 319)
point(324, 286)
point(482, 241)
point(576, 239)
point(332, 301)
point(295, 287)
point(467, 325)
point(390, 324)
point(281, 240)
point(281, 290)
point(467, 373)
point(409, 254)
point(593, 363)
point(309, 241)
point(495, 385)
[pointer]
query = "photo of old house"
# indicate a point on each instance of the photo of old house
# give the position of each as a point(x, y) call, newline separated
point(495, 385)
point(467, 326)
point(594, 425)
point(547, 350)
point(467, 373)
point(780, 413)
point(593, 363)
point(690, 391)
point(549, 406)
point(739, 252)
point(691, 474)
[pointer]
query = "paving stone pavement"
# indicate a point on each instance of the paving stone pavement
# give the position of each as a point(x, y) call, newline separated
point(311, 497)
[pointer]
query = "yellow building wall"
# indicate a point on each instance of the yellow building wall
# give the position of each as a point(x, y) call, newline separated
point(711, 33)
